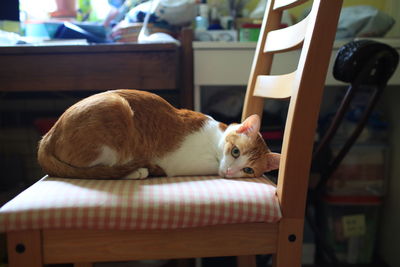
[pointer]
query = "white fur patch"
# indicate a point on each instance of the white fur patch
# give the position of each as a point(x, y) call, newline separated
point(235, 165)
point(198, 154)
point(107, 157)
point(141, 173)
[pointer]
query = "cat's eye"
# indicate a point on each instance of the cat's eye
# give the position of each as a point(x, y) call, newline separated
point(235, 152)
point(248, 170)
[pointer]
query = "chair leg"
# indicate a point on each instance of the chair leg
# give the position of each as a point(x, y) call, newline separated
point(246, 261)
point(83, 264)
point(284, 260)
point(24, 248)
point(290, 241)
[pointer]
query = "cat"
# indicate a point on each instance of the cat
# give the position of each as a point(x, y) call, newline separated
point(135, 134)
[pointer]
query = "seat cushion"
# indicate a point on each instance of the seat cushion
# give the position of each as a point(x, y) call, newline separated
point(154, 203)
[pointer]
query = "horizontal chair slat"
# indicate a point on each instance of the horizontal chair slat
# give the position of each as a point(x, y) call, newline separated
point(285, 4)
point(61, 246)
point(286, 39)
point(275, 86)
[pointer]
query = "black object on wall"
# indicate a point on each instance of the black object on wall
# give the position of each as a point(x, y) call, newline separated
point(9, 10)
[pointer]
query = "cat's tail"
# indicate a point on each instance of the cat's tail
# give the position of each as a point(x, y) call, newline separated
point(58, 168)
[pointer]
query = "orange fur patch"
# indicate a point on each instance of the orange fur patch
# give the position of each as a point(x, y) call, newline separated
point(139, 126)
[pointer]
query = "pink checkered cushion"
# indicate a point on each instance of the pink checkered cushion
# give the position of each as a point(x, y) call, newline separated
point(155, 203)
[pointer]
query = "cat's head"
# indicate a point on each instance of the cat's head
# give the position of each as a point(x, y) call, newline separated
point(245, 153)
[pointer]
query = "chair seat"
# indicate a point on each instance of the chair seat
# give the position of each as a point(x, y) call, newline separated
point(154, 203)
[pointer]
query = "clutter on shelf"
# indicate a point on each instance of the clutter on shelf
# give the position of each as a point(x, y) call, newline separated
point(101, 21)
point(212, 20)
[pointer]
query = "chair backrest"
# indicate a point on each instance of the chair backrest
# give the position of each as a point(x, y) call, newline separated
point(314, 35)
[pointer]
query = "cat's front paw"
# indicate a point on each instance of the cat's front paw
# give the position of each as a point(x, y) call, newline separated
point(141, 173)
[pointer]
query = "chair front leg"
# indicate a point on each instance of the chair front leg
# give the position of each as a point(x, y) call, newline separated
point(246, 261)
point(25, 248)
point(83, 264)
point(290, 241)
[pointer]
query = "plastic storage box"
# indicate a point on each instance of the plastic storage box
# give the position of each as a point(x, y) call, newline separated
point(350, 226)
point(362, 172)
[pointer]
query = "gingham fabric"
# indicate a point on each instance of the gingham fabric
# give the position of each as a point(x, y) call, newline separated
point(154, 203)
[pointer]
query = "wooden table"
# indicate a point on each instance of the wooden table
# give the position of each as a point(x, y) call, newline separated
point(100, 67)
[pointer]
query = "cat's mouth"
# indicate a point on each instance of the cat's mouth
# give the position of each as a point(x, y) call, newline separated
point(228, 173)
point(222, 174)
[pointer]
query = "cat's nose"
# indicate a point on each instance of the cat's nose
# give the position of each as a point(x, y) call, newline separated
point(229, 171)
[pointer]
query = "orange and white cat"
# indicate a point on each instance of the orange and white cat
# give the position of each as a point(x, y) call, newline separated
point(135, 134)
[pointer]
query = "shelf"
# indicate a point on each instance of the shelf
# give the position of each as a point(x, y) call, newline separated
point(394, 42)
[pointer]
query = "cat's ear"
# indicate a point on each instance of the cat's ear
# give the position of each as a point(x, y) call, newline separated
point(273, 160)
point(250, 126)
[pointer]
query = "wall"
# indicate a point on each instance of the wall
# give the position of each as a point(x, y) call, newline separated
point(393, 8)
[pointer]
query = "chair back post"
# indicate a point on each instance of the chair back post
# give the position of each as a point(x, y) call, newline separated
point(315, 36)
point(304, 107)
point(262, 62)
point(301, 122)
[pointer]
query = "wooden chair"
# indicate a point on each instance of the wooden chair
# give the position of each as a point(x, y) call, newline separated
point(283, 239)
